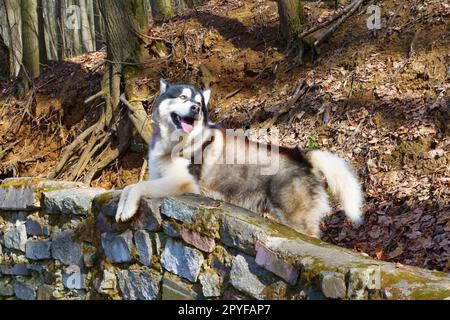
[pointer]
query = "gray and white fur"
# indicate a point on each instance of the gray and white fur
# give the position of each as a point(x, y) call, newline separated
point(295, 192)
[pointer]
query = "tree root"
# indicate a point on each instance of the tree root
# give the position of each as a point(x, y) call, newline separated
point(139, 118)
point(107, 160)
point(70, 151)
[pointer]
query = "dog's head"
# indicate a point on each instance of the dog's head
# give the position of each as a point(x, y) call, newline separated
point(181, 108)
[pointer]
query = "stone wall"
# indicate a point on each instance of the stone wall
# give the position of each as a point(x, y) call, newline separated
point(59, 240)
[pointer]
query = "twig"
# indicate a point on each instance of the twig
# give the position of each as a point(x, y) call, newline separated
point(391, 20)
point(232, 94)
point(95, 96)
point(413, 44)
point(326, 23)
point(327, 34)
point(301, 89)
point(4, 152)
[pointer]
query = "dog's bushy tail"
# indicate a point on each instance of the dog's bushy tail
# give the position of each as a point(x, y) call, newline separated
point(342, 182)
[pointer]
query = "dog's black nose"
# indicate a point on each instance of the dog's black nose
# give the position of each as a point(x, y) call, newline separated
point(195, 109)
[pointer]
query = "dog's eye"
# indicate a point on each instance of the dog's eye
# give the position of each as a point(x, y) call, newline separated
point(183, 97)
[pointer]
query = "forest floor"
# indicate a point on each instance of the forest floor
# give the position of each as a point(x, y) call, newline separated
point(379, 100)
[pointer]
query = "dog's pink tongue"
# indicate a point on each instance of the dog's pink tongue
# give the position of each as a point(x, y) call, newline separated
point(187, 127)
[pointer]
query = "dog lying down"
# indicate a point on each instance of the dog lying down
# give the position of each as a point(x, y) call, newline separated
point(189, 154)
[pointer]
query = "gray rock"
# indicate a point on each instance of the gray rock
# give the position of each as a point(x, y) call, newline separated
point(179, 210)
point(139, 284)
point(66, 250)
point(174, 288)
point(6, 288)
point(210, 284)
point(106, 203)
point(24, 193)
point(117, 247)
point(24, 290)
point(183, 261)
point(151, 217)
point(236, 234)
point(144, 247)
point(15, 270)
point(38, 249)
point(333, 285)
point(73, 278)
point(248, 277)
point(35, 227)
point(170, 230)
point(70, 201)
point(16, 237)
point(159, 241)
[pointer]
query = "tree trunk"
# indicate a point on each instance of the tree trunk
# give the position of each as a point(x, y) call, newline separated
point(75, 31)
point(60, 21)
point(86, 35)
point(50, 18)
point(43, 58)
point(97, 26)
point(291, 19)
point(161, 10)
point(13, 17)
point(90, 9)
point(30, 61)
point(193, 3)
point(4, 60)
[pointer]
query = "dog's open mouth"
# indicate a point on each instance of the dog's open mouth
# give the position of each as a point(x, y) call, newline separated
point(184, 123)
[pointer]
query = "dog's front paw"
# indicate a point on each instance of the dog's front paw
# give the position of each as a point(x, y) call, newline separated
point(128, 203)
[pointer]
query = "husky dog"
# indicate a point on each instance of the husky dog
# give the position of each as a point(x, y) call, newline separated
point(294, 192)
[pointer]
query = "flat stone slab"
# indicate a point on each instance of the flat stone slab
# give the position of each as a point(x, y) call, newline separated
point(15, 236)
point(25, 290)
point(24, 194)
point(139, 284)
point(285, 248)
point(66, 250)
point(38, 249)
point(70, 201)
point(181, 260)
point(174, 288)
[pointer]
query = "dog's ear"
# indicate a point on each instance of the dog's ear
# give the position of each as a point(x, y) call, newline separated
point(207, 96)
point(163, 86)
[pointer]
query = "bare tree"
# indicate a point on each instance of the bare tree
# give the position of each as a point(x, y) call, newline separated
point(30, 68)
point(86, 34)
point(43, 58)
point(61, 37)
point(12, 9)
